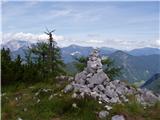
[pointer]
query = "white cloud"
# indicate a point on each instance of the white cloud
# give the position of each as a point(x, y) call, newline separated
point(93, 41)
point(125, 44)
point(28, 37)
point(60, 13)
point(158, 42)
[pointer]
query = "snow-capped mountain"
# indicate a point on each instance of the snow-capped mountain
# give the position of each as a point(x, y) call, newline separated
point(75, 53)
point(16, 44)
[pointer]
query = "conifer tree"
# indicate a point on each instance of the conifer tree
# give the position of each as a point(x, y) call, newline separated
point(47, 57)
point(6, 67)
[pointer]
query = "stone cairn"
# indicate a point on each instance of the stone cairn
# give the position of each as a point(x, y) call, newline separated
point(92, 81)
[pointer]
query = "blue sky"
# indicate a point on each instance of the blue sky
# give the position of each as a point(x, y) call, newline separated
point(121, 25)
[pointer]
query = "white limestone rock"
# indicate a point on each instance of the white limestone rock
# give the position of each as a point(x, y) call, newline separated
point(146, 96)
point(98, 78)
point(103, 114)
point(68, 88)
point(118, 117)
point(108, 107)
point(74, 95)
point(90, 86)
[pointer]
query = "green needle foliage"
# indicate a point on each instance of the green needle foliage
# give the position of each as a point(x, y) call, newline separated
point(40, 56)
point(110, 69)
point(42, 62)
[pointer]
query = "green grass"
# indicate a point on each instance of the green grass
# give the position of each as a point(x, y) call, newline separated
point(60, 106)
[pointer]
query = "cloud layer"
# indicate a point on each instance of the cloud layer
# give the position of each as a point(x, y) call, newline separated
point(27, 37)
point(92, 40)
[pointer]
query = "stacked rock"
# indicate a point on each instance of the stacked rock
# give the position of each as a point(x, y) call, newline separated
point(94, 82)
point(93, 74)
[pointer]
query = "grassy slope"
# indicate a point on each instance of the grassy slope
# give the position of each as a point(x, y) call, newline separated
point(59, 107)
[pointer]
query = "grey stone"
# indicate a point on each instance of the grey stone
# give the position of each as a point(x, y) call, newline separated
point(108, 107)
point(89, 75)
point(98, 78)
point(82, 94)
point(103, 114)
point(74, 95)
point(91, 67)
point(94, 58)
point(101, 87)
point(99, 70)
point(94, 95)
point(105, 98)
point(115, 100)
point(80, 77)
point(118, 117)
point(74, 105)
point(68, 88)
point(70, 79)
point(109, 92)
point(146, 96)
point(90, 85)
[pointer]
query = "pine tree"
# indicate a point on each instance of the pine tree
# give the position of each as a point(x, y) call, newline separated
point(110, 69)
point(81, 63)
point(18, 69)
point(6, 67)
point(47, 57)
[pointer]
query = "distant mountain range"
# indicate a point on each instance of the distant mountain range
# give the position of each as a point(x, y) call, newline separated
point(144, 51)
point(153, 83)
point(72, 50)
point(136, 68)
point(137, 64)
point(69, 52)
point(16, 45)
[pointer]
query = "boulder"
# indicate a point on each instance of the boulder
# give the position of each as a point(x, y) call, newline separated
point(68, 88)
point(90, 86)
point(118, 117)
point(101, 87)
point(98, 78)
point(146, 96)
point(80, 77)
point(103, 114)
point(91, 67)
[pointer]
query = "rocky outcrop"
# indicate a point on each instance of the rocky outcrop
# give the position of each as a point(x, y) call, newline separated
point(93, 74)
point(92, 81)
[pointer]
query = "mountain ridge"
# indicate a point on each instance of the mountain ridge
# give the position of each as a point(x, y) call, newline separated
point(153, 83)
point(16, 44)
